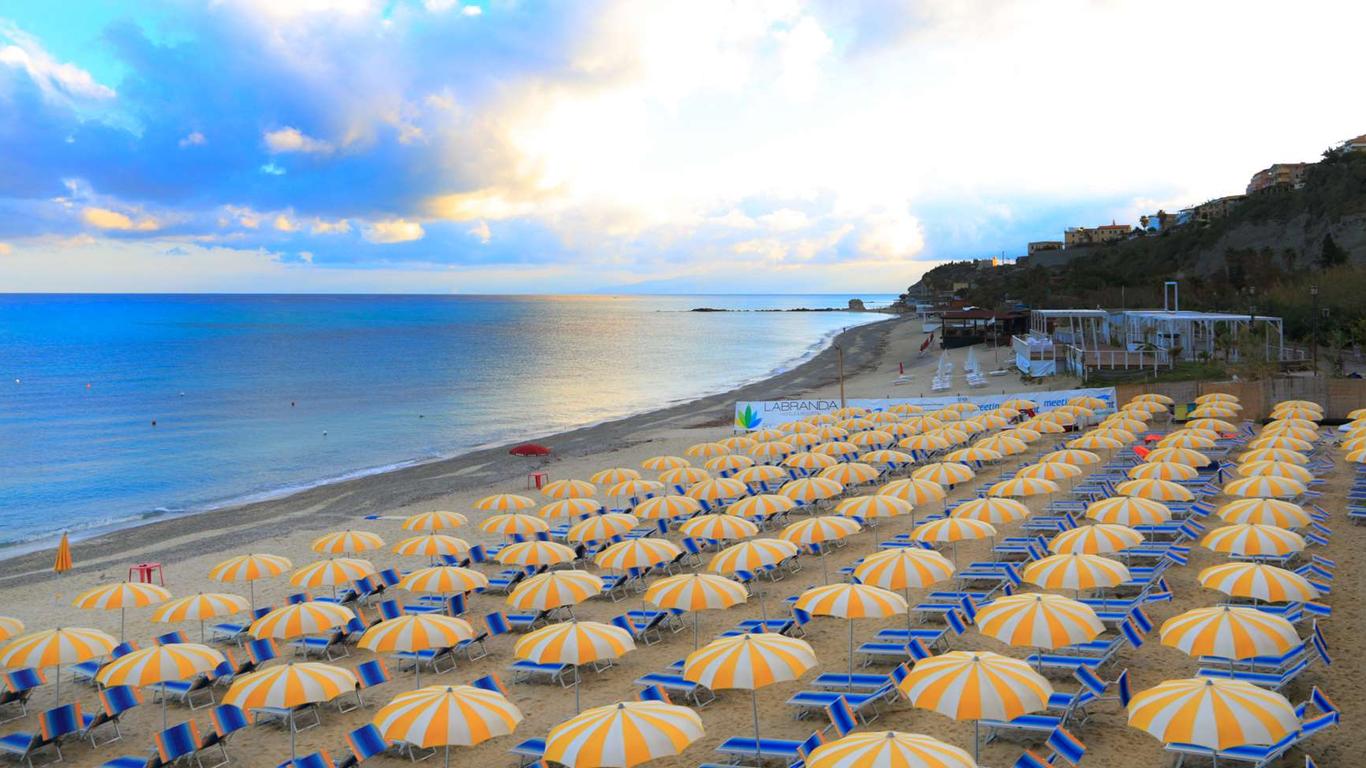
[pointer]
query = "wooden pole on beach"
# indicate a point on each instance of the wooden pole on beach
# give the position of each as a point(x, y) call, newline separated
point(840, 350)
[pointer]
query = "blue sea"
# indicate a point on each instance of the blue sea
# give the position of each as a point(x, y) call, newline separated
point(256, 396)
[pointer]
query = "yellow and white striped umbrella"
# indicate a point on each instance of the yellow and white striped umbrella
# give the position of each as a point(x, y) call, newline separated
point(753, 555)
point(1093, 441)
point(1215, 411)
point(1213, 713)
point(1056, 416)
point(569, 489)
point(569, 508)
point(717, 490)
point(1128, 510)
point(1020, 404)
point(432, 545)
point(1229, 632)
point(888, 749)
point(928, 441)
point(55, 647)
point(1253, 540)
point(917, 491)
point(347, 542)
point(766, 435)
point(1273, 440)
point(1026, 432)
point(637, 553)
point(432, 521)
point(951, 529)
point(873, 438)
point(1187, 438)
point(718, 527)
point(686, 476)
point(749, 661)
point(300, 620)
point(731, 462)
point(526, 553)
point(1097, 539)
point(1087, 401)
point(1039, 620)
point(696, 592)
point(1259, 581)
point(904, 568)
point(504, 502)
point(869, 507)
point(1154, 490)
point(1050, 470)
point(1356, 455)
point(1305, 414)
point(666, 507)
point(1273, 454)
point(1043, 427)
point(205, 605)
point(416, 632)
point(1282, 514)
point(1114, 433)
point(10, 627)
point(1072, 456)
point(574, 642)
point(923, 422)
point(513, 524)
point(817, 530)
point(554, 589)
point(771, 451)
point(662, 463)
point(790, 428)
point(601, 527)
point(1265, 487)
point(1218, 425)
point(623, 735)
point(1216, 397)
point(837, 448)
point(808, 490)
point(1291, 429)
point(763, 505)
point(1126, 423)
point(1076, 572)
point(809, 462)
point(447, 716)
point(996, 510)
point(289, 685)
point(250, 567)
point(1163, 470)
point(760, 473)
point(627, 489)
point(121, 595)
point(1004, 444)
point(613, 475)
point(1187, 456)
point(706, 450)
point(1023, 486)
point(973, 453)
point(976, 685)
point(444, 580)
point(331, 572)
point(944, 473)
point(159, 664)
point(906, 429)
point(850, 473)
point(851, 601)
point(1152, 397)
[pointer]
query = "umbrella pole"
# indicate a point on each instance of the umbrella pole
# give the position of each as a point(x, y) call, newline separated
point(825, 569)
point(448, 756)
point(976, 740)
point(576, 692)
point(293, 752)
point(163, 709)
point(201, 630)
point(121, 617)
point(252, 586)
point(694, 629)
point(59, 684)
point(754, 705)
point(417, 670)
point(851, 655)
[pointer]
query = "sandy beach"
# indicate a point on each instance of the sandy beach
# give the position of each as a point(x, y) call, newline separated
point(188, 547)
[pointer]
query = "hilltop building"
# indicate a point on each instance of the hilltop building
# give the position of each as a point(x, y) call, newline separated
point(1279, 175)
point(1105, 233)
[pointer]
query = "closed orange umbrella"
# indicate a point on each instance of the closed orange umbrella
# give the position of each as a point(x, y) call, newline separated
point(62, 563)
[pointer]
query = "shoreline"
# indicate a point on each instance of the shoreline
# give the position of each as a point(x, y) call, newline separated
point(378, 492)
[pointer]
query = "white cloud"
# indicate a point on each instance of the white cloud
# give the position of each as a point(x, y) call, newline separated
point(104, 218)
point(284, 224)
point(481, 232)
point(784, 220)
point(289, 139)
point(59, 81)
point(388, 231)
point(325, 227)
point(472, 10)
point(192, 139)
point(6, 249)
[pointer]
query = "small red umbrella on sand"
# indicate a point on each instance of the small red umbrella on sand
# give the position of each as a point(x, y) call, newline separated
point(530, 449)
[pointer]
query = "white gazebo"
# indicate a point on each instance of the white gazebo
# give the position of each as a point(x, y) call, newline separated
point(1191, 335)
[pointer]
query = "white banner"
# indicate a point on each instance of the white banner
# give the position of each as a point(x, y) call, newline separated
point(754, 414)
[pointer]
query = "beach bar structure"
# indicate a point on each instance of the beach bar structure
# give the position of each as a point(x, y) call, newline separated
point(968, 326)
point(1073, 340)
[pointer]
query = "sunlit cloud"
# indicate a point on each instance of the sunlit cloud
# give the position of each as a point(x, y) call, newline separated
point(392, 231)
point(292, 140)
point(103, 218)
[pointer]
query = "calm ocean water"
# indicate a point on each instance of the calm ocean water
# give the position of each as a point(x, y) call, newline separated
point(257, 395)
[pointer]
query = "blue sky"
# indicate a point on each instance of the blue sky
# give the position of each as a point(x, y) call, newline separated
point(754, 145)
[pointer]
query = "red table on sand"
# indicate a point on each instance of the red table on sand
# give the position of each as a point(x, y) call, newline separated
point(144, 571)
point(537, 479)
